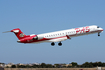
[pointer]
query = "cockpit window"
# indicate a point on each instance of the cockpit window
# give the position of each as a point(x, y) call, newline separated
point(97, 26)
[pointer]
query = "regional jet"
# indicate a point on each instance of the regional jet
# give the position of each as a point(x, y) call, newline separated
point(57, 36)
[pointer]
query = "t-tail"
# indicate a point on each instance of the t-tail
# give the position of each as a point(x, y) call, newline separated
point(21, 36)
point(18, 33)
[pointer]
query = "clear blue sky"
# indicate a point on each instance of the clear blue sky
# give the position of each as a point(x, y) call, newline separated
point(41, 16)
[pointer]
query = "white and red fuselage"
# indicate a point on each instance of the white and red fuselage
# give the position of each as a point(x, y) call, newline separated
point(57, 36)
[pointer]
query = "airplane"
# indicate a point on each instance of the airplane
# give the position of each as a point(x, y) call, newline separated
point(57, 36)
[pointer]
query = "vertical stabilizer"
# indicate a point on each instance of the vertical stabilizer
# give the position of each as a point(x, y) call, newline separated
point(18, 33)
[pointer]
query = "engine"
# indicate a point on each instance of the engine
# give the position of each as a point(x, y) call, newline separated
point(30, 38)
point(38, 37)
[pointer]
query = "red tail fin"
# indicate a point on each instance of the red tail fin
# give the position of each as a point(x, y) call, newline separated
point(18, 33)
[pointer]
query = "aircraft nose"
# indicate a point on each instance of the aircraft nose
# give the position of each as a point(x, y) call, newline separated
point(101, 29)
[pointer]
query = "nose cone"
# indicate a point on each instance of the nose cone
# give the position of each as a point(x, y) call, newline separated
point(19, 41)
point(102, 29)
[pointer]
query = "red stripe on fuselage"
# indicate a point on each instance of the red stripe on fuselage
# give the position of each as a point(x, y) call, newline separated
point(44, 39)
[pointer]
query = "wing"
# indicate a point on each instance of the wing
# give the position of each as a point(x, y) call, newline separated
point(59, 39)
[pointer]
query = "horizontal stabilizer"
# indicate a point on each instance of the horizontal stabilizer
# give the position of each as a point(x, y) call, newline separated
point(6, 31)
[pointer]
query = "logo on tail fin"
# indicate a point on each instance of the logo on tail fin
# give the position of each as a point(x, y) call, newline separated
point(22, 35)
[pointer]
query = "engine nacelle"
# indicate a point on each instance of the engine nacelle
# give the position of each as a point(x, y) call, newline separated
point(38, 37)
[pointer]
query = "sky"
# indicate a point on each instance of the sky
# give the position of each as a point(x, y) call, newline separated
point(42, 16)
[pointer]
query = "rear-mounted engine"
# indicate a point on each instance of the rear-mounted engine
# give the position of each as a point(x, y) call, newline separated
point(38, 37)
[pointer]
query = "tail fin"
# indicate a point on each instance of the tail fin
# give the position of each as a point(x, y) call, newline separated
point(18, 33)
